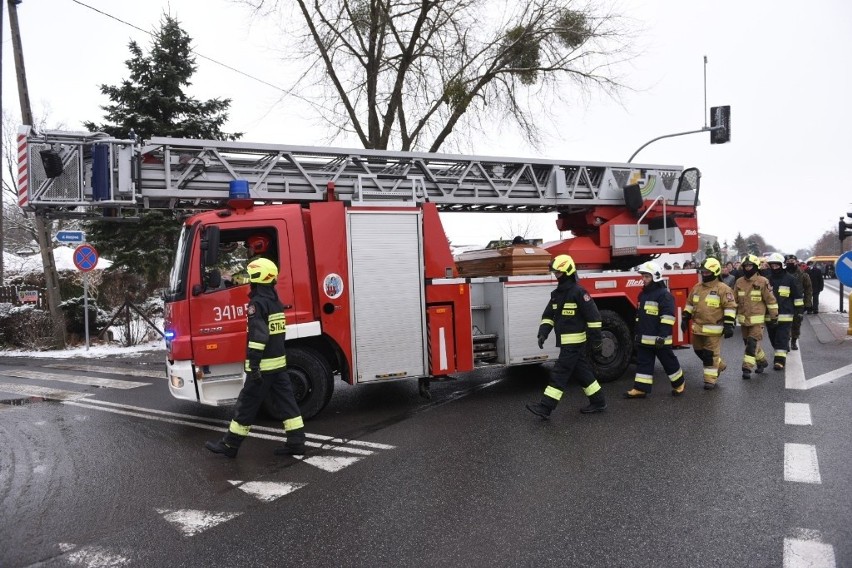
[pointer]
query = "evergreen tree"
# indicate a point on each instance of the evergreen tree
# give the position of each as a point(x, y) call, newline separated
point(741, 245)
point(152, 102)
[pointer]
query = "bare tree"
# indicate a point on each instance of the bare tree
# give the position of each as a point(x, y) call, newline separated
point(828, 244)
point(410, 73)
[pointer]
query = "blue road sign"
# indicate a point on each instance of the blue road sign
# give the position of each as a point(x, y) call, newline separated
point(85, 257)
point(71, 236)
point(843, 268)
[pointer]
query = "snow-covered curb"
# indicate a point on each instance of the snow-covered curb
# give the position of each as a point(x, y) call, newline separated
point(94, 351)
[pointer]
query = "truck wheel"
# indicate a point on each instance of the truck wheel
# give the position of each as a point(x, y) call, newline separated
point(312, 380)
point(617, 346)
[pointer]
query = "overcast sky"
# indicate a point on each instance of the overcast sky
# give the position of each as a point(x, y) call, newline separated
point(782, 66)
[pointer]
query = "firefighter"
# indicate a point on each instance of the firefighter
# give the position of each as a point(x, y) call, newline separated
point(807, 301)
point(788, 293)
point(711, 309)
point(755, 301)
point(654, 320)
point(256, 246)
point(265, 367)
point(573, 315)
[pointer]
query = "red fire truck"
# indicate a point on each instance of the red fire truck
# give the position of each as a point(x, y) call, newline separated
point(366, 270)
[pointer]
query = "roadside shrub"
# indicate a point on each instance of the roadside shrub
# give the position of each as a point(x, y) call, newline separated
point(74, 308)
point(25, 327)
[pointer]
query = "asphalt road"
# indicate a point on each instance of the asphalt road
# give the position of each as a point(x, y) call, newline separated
point(115, 473)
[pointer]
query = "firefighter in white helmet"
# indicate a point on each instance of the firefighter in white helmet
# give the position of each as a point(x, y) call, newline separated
point(709, 313)
point(788, 293)
point(573, 315)
point(756, 305)
point(265, 367)
point(655, 317)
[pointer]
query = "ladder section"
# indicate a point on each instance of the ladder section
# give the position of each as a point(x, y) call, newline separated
point(166, 173)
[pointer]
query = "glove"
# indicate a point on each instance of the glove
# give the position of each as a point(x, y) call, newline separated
point(684, 322)
point(660, 342)
point(541, 339)
point(255, 375)
point(728, 330)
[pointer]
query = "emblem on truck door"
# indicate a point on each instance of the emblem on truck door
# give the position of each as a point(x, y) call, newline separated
point(332, 285)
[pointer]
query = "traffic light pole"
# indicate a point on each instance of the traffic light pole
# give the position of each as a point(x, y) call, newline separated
point(649, 142)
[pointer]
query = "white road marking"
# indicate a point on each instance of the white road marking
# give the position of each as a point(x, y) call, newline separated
point(44, 392)
point(800, 463)
point(329, 463)
point(806, 550)
point(267, 490)
point(111, 370)
point(76, 379)
point(795, 374)
point(797, 414)
point(192, 522)
point(92, 556)
point(215, 425)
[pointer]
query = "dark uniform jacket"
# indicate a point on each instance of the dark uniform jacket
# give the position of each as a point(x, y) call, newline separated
point(267, 328)
point(817, 282)
point(807, 291)
point(571, 311)
point(655, 316)
point(788, 293)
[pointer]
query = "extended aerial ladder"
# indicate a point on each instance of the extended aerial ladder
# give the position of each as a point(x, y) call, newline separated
point(619, 213)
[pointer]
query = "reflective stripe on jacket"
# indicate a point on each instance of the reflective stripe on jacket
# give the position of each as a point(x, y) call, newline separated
point(572, 313)
point(267, 330)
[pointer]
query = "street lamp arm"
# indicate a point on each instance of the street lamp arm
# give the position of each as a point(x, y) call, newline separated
point(705, 129)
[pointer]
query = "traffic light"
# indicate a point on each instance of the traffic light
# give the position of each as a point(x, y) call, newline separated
point(844, 228)
point(720, 116)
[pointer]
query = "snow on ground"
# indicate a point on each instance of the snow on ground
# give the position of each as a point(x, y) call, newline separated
point(95, 351)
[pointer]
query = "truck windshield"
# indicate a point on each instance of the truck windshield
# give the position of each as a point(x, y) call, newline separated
point(180, 269)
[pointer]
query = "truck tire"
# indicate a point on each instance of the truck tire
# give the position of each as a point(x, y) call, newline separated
point(312, 380)
point(617, 347)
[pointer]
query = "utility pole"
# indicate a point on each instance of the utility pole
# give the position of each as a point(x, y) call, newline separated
point(42, 225)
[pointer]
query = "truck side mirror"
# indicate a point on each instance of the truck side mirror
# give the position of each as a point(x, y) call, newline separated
point(210, 245)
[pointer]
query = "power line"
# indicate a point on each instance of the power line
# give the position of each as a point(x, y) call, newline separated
point(210, 59)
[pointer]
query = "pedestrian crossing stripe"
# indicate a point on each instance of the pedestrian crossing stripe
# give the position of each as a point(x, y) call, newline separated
point(326, 463)
point(43, 392)
point(191, 522)
point(266, 490)
point(109, 370)
point(76, 379)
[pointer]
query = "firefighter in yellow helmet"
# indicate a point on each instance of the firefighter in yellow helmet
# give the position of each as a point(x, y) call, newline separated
point(265, 367)
point(710, 311)
point(655, 317)
point(573, 315)
point(756, 305)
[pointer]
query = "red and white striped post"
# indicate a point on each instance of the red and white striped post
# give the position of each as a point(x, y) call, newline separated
point(23, 166)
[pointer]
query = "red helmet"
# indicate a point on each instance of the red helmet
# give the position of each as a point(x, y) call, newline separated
point(257, 244)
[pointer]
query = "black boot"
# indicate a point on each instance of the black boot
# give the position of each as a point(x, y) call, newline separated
point(220, 447)
point(289, 449)
point(761, 365)
point(295, 445)
point(597, 403)
point(540, 409)
point(793, 344)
